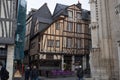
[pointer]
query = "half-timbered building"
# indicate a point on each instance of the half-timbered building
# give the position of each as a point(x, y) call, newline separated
point(8, 19)
point(27, 36)
point(62, 40)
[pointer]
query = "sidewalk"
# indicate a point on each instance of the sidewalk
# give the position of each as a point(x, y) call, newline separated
point(63, 78)
point(60, 78)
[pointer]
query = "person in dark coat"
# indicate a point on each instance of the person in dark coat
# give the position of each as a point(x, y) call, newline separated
point(80, 73)
point(34, 73)
point(4, 74)
point(27, 73)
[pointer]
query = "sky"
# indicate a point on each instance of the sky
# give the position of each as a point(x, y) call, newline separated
point(52, 3)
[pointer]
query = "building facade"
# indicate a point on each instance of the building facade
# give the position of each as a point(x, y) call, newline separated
point(8, 10)
point(60, 41)
point(105, 32)
point(27, 36)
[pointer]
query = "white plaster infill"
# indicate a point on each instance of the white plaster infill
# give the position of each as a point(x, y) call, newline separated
point(10, 57)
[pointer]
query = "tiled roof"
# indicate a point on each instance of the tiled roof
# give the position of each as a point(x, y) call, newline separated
point(85, 14)
point(44, 16)
point(61, 9)
point(44, 12)
point(44, 20)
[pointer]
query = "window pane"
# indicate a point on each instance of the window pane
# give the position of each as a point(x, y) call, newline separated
point(65, 41)
point(69, 43)
point(87, 29)
point(78, 15)
point(70, 26)
point(32, 45)
point(50, 43)
point(70, 14)
point(57, 24)
point(57, 43)
point(78, 28)
point(78, 43)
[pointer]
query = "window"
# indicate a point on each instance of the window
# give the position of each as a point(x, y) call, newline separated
point(65, 41)
point(57, 25)
point(57, 43)
point(70, 26)
point(69, 42)
point(87, 29)
point(78, 28)
point(117, 9)
point(78, 43)
point(70, 14)
point(33, 45)
point(78, 15)
point(36, 28)
point(52, 31)
point(50, 43)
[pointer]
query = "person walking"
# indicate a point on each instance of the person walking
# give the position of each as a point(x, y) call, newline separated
point(80, 73)
point(27, 73)
point(34, 73)
point(4, 74)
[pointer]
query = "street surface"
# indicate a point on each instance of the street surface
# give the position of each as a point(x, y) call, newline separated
point(58, 78)
point(64, 78)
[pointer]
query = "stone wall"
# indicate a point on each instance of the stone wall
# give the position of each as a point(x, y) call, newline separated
point(104, 56)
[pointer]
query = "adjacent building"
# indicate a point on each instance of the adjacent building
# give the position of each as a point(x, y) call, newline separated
point(8, 19)
point(29, 19)
point(59, 41)
point(105, 32)
point(20, 30)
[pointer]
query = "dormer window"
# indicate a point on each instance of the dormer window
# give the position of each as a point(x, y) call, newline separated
point(78, 15)
point(70, 14)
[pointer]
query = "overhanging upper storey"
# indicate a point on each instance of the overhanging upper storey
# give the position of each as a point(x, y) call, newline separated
point(8, 10)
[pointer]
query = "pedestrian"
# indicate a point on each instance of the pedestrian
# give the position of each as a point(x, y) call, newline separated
point(80, 73)
point(34, 73)
point(4, 73)
point(27, 73)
